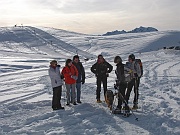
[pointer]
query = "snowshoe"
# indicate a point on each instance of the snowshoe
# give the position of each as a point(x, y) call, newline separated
point(126, 113)
point(116, 111)
point(135, 107)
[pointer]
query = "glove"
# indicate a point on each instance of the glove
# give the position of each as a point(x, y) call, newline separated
point(62, 76)
point(96, 75)
point(136, 75)
point(74, 77)
point(130, 71)
point(83, 81)
point(107, 74)
point(115, 87)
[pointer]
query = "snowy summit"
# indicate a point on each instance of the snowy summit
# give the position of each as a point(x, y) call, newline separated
point(136, 30)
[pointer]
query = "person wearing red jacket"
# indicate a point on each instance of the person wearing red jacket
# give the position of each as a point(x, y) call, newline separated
point(70, 74)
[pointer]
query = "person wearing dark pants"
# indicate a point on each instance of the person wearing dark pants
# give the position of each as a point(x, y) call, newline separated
point(56, 82)
point(135, 68)
point(128, 92)
point(101, 69)
point(136, 91)
point(120, 82)
point(100, 80)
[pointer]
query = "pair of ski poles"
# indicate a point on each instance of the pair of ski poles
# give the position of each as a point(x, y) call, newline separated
point(123, 99)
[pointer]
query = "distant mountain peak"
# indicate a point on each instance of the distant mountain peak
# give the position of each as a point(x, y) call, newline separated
point(136, 30)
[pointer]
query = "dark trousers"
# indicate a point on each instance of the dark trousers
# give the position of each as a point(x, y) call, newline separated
point(128, 92)
point(136, 90)
point(129, 89)
point(121, 94)
point(132, 83)
point(56, 97)
point(99, 81)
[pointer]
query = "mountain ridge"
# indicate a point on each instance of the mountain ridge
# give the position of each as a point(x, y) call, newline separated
point(136, 30)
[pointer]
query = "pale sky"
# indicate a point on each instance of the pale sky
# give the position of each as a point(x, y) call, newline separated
point(92, 16)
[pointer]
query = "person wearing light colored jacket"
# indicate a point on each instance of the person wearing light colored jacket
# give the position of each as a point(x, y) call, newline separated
point(56, 82)
point(136, 70)
point(70, 74)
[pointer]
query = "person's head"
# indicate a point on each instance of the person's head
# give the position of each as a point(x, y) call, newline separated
point(68, 62)
point(131, 58)
point(100, 58)
point(76, 58)
point(53, 63)
point(117, 59)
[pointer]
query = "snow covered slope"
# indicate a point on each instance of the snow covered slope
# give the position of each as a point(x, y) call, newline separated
point(25, 92)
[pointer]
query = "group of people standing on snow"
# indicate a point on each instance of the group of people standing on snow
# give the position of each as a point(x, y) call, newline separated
point(74, 75)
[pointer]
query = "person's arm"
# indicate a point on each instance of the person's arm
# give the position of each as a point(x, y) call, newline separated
point(65, 73)
point(110, 67)
point(83, 74)
point(94, 69)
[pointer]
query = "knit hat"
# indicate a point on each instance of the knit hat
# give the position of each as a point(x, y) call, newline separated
point(132, 57)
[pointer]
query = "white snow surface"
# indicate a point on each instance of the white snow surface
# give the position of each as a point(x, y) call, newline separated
point(26, 92)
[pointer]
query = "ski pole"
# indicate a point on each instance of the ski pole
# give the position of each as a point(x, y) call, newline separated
point(136, 90)
point(128, 106)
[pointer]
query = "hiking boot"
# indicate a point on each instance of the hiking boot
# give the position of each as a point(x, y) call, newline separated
point(61, 107)
point(99, 101)
point(74, 103)
point(55, 109)
point(58, 108)
point(135, 107)
point(79, 102)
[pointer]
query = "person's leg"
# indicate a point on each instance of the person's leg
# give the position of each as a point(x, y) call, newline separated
point(68, 94)
point(73, 90)
point(104, 80)
point(56, 98)
point(98, 88)
point(128, 92)
point(78, 88)
point(136, 90)
point(121, 98)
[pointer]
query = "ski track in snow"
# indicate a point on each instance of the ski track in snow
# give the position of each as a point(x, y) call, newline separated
point(26, 93)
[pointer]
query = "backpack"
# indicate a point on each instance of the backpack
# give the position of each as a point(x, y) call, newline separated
point(124, 75)
point(140, 64)
point(128, 76)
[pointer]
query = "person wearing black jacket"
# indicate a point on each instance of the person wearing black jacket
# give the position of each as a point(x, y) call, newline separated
point(81, 76)
point(120, 82)
point(101, 69)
